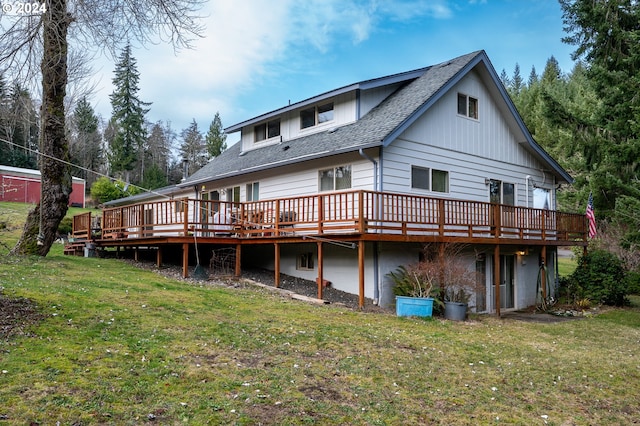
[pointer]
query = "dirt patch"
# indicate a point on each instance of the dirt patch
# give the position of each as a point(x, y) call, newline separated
point(16, 316)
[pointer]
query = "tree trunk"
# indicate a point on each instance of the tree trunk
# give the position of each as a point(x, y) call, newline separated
point(42, 222)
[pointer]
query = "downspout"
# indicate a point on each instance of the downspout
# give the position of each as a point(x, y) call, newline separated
point(376, 286)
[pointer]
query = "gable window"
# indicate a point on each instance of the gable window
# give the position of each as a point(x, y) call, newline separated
point(267, 130)
point(334, 179)
point(429, 179)
point(316, 115)
point(253, 191)
point(467, 106)
point(305, 261)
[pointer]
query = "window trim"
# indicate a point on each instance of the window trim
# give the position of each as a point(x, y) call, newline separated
point(430, 177)
point(319, 111)
point(468, 100)
point(305, 262)
point(334, 169)
point(261, 132)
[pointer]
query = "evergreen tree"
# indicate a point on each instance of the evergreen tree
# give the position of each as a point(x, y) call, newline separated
point(159, 145)
point(216, 138)
point(128, 115)
point(605, 34)
point(193, 147)
point(85, 144)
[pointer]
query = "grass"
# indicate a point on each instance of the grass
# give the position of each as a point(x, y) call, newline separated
point(120, 345)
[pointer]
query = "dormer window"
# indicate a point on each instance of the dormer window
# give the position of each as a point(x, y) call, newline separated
point(467, 106)
point(316, 115)
point(268, 130)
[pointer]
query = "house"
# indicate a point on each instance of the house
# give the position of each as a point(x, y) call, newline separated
point(23, 186)
point(348, 185)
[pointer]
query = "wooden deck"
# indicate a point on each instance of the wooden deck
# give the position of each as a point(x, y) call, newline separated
point(353, 216)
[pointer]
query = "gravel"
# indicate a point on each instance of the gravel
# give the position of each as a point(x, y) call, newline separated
point(266, 279)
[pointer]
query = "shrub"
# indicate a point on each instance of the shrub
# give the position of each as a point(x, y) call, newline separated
point(66, 226)
point(600, 277)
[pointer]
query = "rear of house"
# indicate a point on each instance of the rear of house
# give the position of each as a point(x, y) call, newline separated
point(448, 131)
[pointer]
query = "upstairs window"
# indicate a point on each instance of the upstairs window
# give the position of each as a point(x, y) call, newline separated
point(429, 179)
point(334, 179)
point(467, 106)
point(316, 115)
point(267, 130)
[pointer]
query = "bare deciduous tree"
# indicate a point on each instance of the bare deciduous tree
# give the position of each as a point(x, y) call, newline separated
point(49, 37)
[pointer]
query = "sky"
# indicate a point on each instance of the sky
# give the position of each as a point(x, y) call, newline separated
point(257, 56)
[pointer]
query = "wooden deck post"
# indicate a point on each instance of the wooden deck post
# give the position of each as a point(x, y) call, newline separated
point(320, 271)
point(543, 276)
point(159, 257)
point(361, 273)
point(185, 260)
point(277, 264)
point(496, 277)
point(238, 260)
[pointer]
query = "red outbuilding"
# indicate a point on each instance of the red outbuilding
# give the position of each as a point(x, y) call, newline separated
point(23, 186)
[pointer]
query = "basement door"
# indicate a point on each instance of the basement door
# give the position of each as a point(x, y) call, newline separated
point(507, 272)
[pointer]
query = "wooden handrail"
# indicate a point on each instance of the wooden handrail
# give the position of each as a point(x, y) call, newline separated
point(353, 212)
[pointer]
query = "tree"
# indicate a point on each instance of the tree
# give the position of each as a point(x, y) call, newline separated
point(128, 117)
point(159, 145)
point(216, 138)
point(193, 147)
point(85, 141)
point(605, 34)
point(44, 39)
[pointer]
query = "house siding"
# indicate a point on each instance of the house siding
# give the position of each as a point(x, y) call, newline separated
point(443, 140)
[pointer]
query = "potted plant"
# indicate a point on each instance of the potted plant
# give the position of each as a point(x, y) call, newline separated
point(457, 281)
point(414, 289)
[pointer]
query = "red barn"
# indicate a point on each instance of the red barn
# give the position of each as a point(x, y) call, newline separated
point(23, 186)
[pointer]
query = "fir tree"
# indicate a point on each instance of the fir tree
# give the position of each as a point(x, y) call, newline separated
point(85, 142)
point(216, 138)
point(193, 147)
point(128, 115)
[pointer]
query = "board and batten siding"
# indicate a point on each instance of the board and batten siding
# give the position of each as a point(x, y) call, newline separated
point(470, 150)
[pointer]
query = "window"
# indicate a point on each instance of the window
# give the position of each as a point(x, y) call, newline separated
point(267, 130)
point(316, 115)
point(467, 106)
point(502, 192)
point(233, 194)
point(305, 261)
point(336, 178)
point(253, 191)
point(180, 205)
point(429, 179)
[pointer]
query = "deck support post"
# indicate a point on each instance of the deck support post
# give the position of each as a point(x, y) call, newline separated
point(361, 274)
point(277, 264)
point(320, 269)
point(159, 257)
point(496, 277)
point(185, 260)
point(543, 276)
point(238, 260)
point(136, 254)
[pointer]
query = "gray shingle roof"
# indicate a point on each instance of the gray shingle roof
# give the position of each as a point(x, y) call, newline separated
point(380, 126)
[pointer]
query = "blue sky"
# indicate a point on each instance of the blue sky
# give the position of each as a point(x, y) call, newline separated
point(259, 55)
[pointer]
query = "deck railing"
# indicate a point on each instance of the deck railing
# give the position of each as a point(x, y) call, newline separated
point(350, 212)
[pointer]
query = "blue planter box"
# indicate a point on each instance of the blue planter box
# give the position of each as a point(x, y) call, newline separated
point(414, 306)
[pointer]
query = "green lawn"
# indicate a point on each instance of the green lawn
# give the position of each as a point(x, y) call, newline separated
point(121, 345)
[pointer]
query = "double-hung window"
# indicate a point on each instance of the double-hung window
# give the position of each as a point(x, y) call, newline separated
point(429, 179)
point(467, 106)
point(316, 115)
